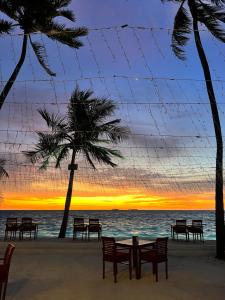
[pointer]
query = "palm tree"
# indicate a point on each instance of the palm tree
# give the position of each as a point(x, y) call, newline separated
point(84, 129)
point(2, 169)
point(187, 19)
point(37, 16)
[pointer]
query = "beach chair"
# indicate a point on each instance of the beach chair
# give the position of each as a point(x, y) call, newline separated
point(79, 227)
point(196, 229)
point(11, 228)
point(94, 227)
point(4, 270)
point(180, 228)
point(155, 255)
point(27, 225)
point(115, 254)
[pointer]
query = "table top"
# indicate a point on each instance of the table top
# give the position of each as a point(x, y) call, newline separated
point(129, 242)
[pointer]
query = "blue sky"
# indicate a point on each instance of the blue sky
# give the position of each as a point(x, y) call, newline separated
point(158, 96)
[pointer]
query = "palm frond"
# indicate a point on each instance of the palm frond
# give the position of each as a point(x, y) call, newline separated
point(41, 55)
point(211, 16)
point(67, 36)
point(63, 154)
point(101, 109)
point(102, 154)
point(53, 121)
point(218, 2)
point(66, 13)
point(5, 26)
point(32, 155)
point(62, 3)
point(2, 170)
point(46, 148)
point(78, 108)
point(9, 8)
point(181, 30)
point(89, 160)
point(112, 131)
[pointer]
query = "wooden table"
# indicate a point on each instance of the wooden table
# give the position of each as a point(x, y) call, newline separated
point(135, 247)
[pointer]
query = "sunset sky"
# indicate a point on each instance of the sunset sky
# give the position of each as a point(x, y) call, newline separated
point(169, 157)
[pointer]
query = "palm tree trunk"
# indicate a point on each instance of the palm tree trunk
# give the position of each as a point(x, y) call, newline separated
point(13, 77)
point(220, 231)
point(63, 228)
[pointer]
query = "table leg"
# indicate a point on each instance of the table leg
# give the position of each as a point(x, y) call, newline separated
point(136, 262)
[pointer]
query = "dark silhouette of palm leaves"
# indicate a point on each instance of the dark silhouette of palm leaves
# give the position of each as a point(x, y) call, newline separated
point(83, 129)
point(209, 14)
point(2, 169)
point(38, 16)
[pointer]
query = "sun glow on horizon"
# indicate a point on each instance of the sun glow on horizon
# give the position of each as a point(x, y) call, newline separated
point(106, 200)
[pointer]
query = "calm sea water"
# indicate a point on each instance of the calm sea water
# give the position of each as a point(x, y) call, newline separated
point(145, 223)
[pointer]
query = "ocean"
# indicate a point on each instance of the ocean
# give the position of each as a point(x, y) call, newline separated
point(117, 223)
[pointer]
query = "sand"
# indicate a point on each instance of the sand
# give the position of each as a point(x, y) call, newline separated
point(55, 269)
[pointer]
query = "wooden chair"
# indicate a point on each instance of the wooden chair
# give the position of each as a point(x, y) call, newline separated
point(4, 270)
point(94, 227)
point(180, 228)
point(155, 255)
point(11, 227)
point(115, 254)
point(196, 229)
point(79, 227)
point(27, 225)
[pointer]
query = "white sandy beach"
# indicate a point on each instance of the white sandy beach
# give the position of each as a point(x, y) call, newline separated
point(55, 269)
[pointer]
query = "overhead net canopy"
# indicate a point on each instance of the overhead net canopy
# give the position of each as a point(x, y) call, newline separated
point(169, 157)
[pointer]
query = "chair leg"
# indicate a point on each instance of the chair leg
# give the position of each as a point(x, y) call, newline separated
point(156, 272)
point(166, 263)
point(1, 284)
point(139, 266)
point(153, 268)
point(130, 268)
point(115, 271)
point(4, 290)
point(103, 270)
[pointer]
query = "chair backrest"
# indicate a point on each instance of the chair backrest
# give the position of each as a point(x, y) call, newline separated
point(93, 221)
point(26, 221)
point(161, 246)
point(181, 222)
point(108, 247)
point(11, 221)
point(197, 223)
point(78, 221)
point(8, 254)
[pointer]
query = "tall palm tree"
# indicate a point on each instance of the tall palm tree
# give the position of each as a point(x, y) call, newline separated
point(187, 19)
point(2, 169)
point(37, 16)
point(84, 129)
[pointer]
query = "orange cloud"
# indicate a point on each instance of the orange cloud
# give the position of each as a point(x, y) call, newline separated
point(91, 196)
